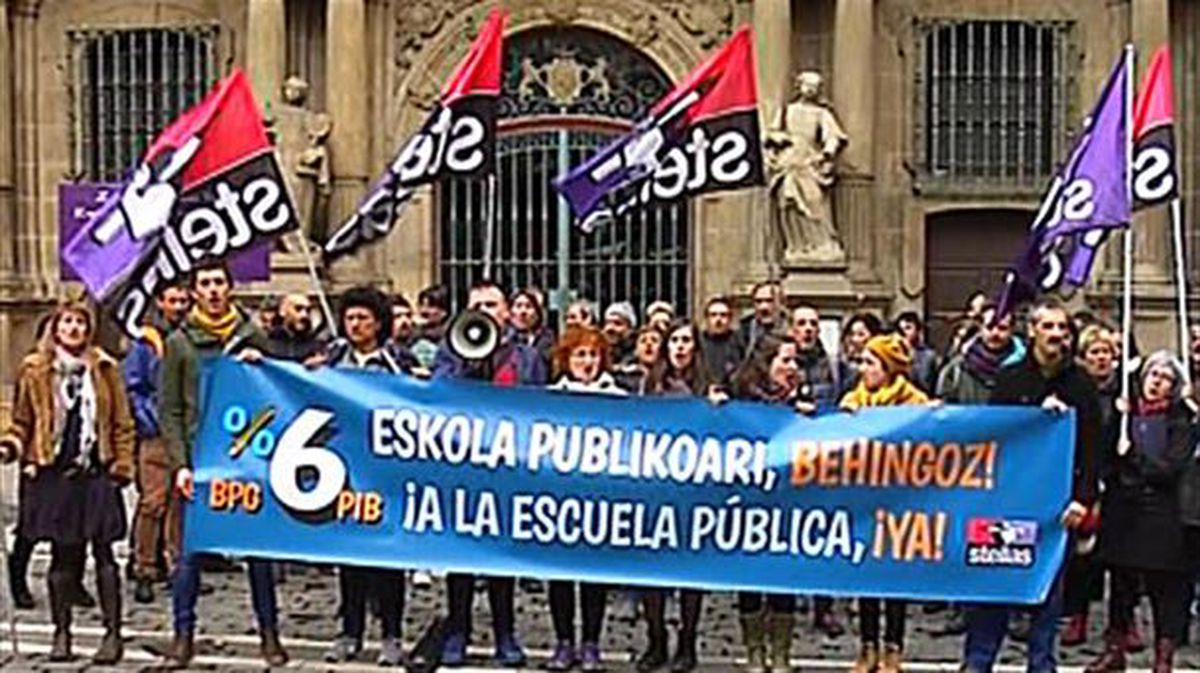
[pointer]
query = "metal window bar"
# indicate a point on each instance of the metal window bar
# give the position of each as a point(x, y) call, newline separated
point(126, 85)
point(993, 98)
point(643, 257)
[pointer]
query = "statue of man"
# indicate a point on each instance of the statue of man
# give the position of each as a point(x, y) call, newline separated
point(802, 148)
point(301, 136)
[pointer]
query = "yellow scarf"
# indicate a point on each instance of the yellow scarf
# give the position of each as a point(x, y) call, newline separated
point(222, 327)
point(899, 391)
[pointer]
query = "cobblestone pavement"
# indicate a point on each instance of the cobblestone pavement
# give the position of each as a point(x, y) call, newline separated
point(308, 601)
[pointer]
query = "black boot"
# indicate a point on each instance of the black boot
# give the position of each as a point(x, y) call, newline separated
point(18, 570)
point(108, 582)
point(143, 591)
point(59, 582)
point(689, 622)
point(654, 610)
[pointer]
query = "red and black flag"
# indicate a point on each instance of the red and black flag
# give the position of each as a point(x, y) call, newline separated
point(457, 140)
point(703, 136)
point(208, 186)
point(1155, 178)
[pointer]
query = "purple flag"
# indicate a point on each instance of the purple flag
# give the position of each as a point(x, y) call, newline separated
point(79, 202)
point(1088, 197)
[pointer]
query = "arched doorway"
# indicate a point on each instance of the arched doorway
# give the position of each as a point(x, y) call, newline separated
point(967, 251)
point(565, 93)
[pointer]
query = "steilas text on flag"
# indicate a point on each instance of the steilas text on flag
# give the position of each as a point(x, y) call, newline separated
point(208, 186)
point(458, 139)
point(703, 136)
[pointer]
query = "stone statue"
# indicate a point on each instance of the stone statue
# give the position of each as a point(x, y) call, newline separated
point(302, 136)
point(802, 147)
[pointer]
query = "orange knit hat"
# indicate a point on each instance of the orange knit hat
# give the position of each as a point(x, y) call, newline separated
point(893, 351)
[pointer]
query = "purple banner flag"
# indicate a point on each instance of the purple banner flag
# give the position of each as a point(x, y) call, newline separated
point(1087, 198)
point(79, 202)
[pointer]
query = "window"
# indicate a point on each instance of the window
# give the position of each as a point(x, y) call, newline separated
point(992, 101)
point(306, 48)
point(126, 86)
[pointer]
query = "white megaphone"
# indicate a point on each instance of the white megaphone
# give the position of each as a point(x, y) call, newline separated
point(473, 336)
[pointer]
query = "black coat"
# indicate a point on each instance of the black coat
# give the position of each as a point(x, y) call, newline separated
point(1024, 384)
point(1141, 523)
point(722, 354)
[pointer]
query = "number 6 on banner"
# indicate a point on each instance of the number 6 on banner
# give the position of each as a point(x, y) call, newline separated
point(293, 454)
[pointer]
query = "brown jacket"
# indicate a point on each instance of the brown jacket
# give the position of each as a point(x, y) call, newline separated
point(31, 433)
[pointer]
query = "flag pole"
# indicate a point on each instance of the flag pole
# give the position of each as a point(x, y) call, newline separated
point(489, 226)
point(1127, 258)
point(1181, 287)
point(322, 298)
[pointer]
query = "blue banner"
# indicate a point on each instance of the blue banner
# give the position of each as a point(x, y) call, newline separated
point(357, 468)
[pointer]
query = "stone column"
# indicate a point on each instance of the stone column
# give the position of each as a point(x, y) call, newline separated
point(853, 92)
point(8, 213)
point(266, 50)
point(772, 20)
point(1153, 257)
point(346, 100)
point(28, 263)
point(773, 31)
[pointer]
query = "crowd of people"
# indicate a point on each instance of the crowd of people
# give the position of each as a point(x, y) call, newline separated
point(85, 425)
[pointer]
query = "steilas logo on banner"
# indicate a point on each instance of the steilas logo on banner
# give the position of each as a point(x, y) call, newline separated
point(457, 140)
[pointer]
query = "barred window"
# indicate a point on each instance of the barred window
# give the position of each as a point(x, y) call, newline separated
point(992, 100)
point(126, 86)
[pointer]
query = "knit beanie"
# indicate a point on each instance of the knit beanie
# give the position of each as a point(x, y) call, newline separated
point(893, 351)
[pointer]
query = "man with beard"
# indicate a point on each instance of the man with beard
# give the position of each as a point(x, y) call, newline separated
point(969, 378)
point(721, 345)
point(403, 325)
point(433, 307)
point(141, 372)
point(1046, 377)
point(294, 338)
point(767, 317)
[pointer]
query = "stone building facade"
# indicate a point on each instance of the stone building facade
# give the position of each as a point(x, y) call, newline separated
point(956, 111)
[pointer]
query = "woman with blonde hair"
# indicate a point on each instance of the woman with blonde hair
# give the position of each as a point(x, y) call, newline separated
point(73, 433)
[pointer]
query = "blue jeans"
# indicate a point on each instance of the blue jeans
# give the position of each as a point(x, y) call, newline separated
point(988, 624)
point(185, 590)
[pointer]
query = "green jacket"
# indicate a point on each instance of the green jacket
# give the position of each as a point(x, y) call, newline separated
point(178, 410)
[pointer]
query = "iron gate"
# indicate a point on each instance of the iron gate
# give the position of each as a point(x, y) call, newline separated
point(568, 89)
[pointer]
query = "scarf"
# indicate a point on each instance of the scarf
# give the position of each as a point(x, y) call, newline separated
point(74, 412)
point(899, 392)
point(985, 363)
point(1155, 408)
point(222, 328)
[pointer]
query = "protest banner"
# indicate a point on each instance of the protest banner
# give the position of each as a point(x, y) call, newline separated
point(347, 467)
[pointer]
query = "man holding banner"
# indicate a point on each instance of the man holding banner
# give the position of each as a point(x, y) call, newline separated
point(215, 326)
point(1047, 377)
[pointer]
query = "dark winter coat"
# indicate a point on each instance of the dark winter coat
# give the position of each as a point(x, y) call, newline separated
point(1141, 523)
point(1025, 384)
